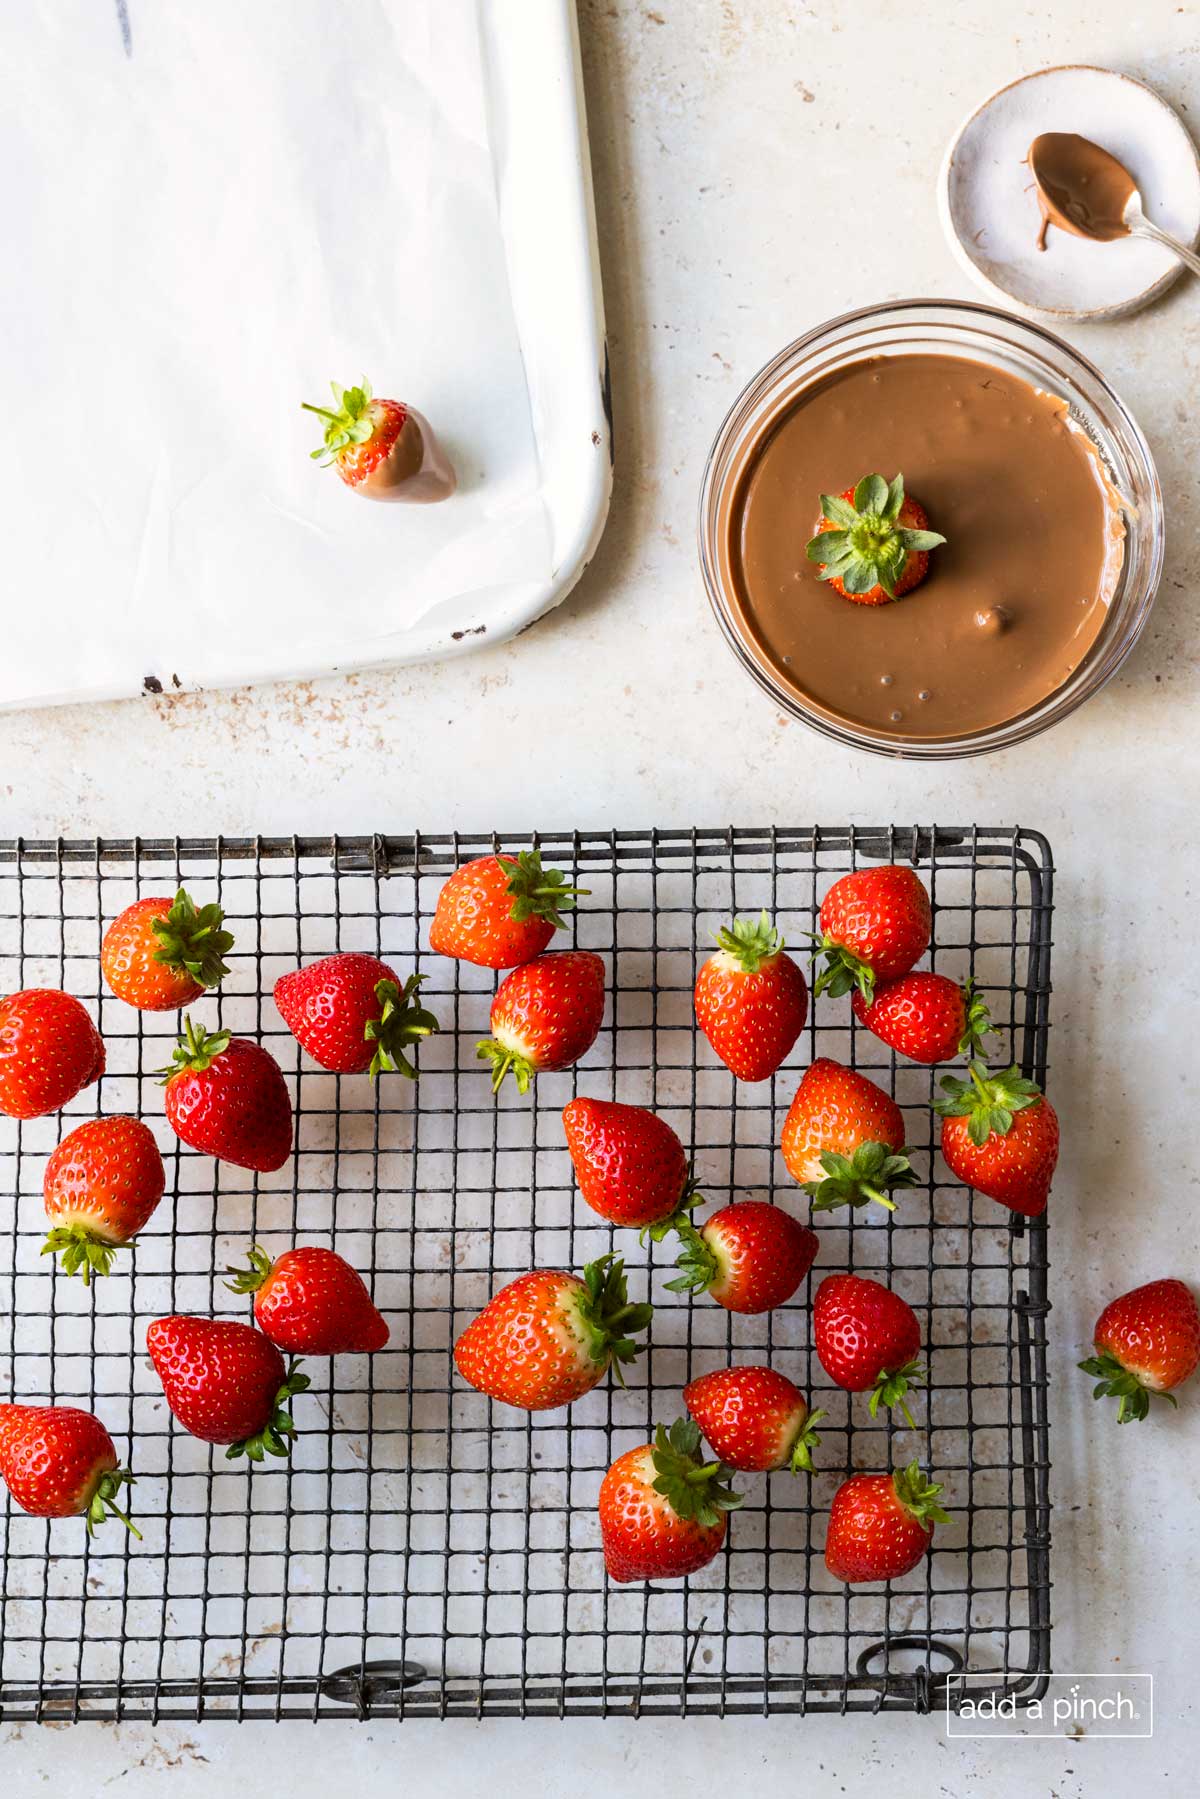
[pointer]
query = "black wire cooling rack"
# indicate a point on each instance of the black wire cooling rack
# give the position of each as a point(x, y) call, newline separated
point(426, 1553)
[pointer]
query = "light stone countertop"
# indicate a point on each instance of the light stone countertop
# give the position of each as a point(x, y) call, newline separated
point(760, 165)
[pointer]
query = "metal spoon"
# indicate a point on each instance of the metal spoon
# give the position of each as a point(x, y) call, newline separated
point(1083, 189)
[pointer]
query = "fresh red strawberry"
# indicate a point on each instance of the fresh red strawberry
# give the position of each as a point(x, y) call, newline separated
point(875, 925)
point(1147, 1341)
point(751, 999)
point(881, 1525)
point(1000, 1136)
point(100, 1187)
point(226, 1383)
point(549, 1337)
point(755, 1419)
point(630, 1165)
point(162, 953)
point(545, 1015)
point(227, 1097)
point(872, 541)
point(353, 1015)
point(926, 1017)
point(843, 1139)
point(49, 1051)
point(867, 1339)
point(58, 1462)
point(662, 1510)
point(751, 1257)
point(382, 449)
point(500, 911)
point(311, 1302)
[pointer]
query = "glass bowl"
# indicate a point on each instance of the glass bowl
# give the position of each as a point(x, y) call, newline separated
point(984, 334)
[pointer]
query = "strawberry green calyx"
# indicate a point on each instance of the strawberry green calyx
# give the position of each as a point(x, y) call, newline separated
point(252, 1277)
point(692, 1488)
point(987, 1101)
point(192, 939)
point(697, 1264)
point(892, 1384)
point(869, 1174)
point(275, 1434)
point(80, 1251)
point(751, 941)
point(196, 1050)
point(867, 546)
point(800, 1459)
point(978, 1021)
point(843, 971)
point(538, 892)
point(1115, 1381)
point(103, 1502)
point(918, 1496)
point(402, 1021)
point(607, 1316)
point(505, 1062)
point(351, 423)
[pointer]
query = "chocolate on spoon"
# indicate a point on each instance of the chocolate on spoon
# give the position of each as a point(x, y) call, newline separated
point(1084, 189)
point(382, 449)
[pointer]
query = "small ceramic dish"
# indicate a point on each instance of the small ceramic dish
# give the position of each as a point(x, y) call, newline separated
point(989, 207)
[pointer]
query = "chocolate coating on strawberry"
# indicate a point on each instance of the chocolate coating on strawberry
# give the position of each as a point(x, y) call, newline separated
point(383, 449)
point(873, 541)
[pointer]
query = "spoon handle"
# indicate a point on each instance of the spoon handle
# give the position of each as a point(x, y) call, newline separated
point(1143, 228)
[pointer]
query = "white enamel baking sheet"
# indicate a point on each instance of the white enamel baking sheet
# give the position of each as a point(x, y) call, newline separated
point(211, 211)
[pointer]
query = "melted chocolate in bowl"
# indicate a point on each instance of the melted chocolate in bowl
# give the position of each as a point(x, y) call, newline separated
point(1080, 187)
point(1013, 602)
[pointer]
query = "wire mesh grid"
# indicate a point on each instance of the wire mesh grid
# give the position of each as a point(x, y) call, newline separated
point(426, 1552)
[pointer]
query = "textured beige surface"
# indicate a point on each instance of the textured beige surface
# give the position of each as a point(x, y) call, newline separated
point(761, 164)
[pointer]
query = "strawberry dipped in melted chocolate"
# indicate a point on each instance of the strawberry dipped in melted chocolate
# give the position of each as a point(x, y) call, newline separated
point(382, 449)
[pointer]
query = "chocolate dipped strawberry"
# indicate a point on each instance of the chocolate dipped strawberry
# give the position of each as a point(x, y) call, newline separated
point(873, 541)
point(382, 449)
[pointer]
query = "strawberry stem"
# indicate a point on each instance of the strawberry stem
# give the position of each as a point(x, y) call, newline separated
point(196, 1050)
point(251, 1278)
point(608, 1316)
point(751, 941)
point(538, 892)
point(870, 1174)
point(918, 1496)
point(697, 1263)
point(193, 940)
point(274, 1435)
point(800, 1458)
point(402, 1021)
point(987, 1101)
point(843, 971)
point(1115, 1381)
point(692, 1488)
point(80, 1251)
point(892, 1384)
point(506, 1061)
point(103, 1502)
